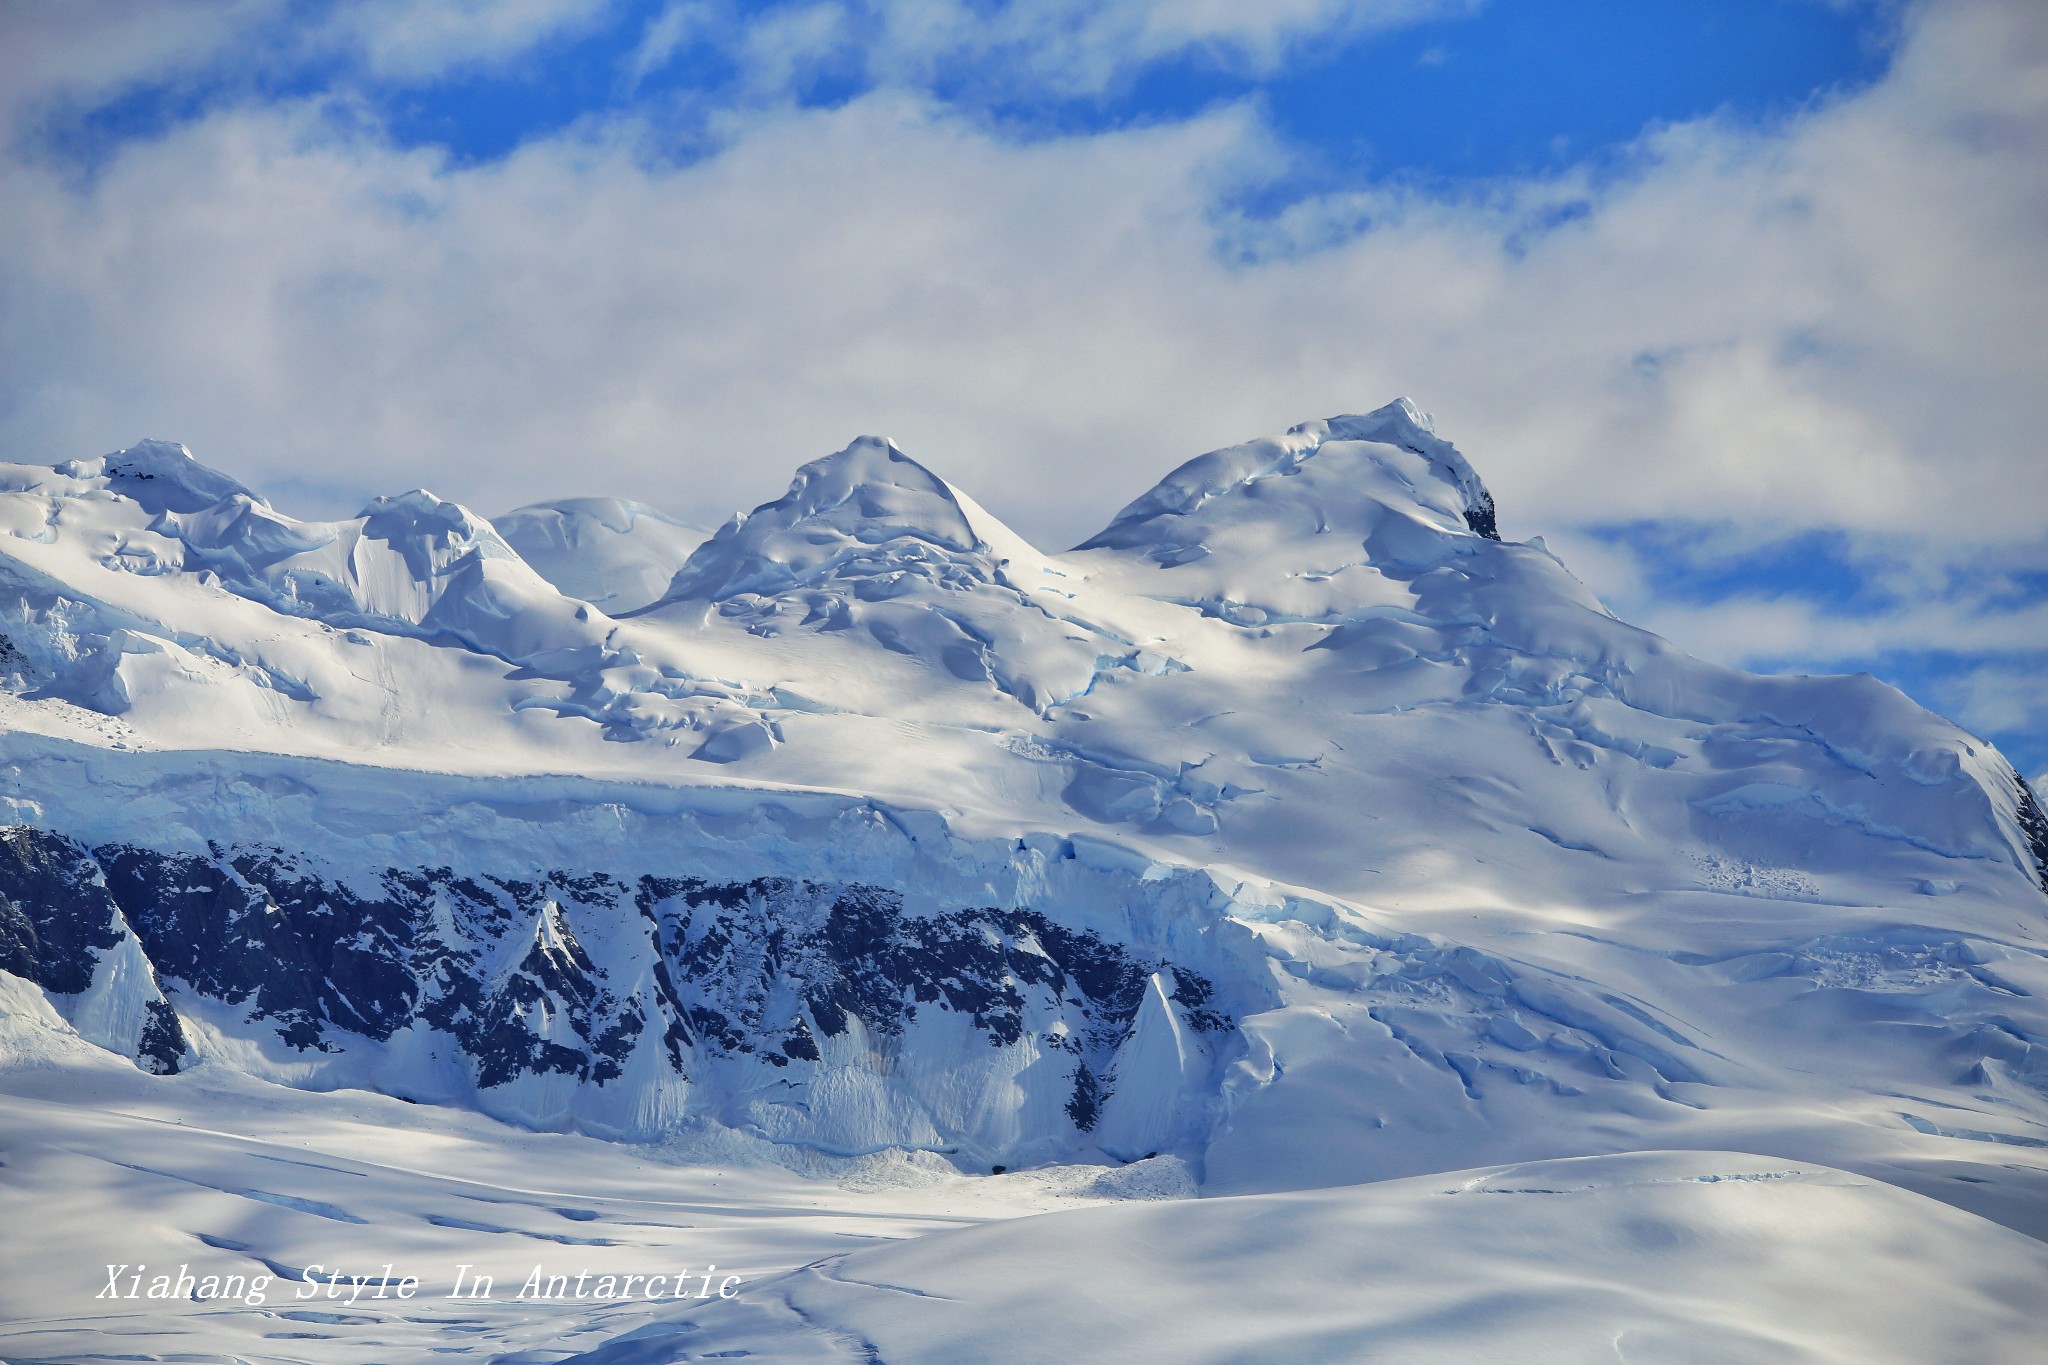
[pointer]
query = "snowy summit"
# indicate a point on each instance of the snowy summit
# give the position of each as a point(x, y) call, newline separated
point(1295, 832)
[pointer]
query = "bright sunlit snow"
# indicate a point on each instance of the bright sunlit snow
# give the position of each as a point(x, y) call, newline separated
point(1339, 933)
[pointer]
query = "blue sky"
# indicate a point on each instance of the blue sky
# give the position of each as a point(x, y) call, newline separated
point(1506, 88)
point(1477, 93)
point(1738, 304)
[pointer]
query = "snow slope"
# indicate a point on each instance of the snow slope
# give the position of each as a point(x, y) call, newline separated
point(1295, 827)
point(1665, 1256)
point(216, 1176)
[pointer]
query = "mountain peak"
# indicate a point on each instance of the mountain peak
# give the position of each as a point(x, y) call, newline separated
point(891, 494)
point(1162, 515)
point(160, 476)
point(867, 495)
point(1401, 423)
point(1397, 423)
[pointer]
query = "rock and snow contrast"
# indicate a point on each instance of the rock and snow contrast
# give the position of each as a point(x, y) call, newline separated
point(1343, 936)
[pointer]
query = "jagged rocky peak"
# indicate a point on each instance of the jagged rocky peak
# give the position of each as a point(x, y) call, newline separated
point(1339, 476)
point(861, 509)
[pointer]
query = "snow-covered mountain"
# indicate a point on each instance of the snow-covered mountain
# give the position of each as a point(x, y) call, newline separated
point(1296, 826)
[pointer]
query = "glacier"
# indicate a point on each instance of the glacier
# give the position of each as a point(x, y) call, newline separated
point(1295, 832)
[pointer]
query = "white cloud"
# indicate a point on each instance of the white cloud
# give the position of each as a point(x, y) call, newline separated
point(89, 51)
point(82, 54)
point(2001, 698)
point(666, 35)
point(1836, 323)
point(782, 48)
point(411, 39)
point(1751, 630)
point(1070, 48)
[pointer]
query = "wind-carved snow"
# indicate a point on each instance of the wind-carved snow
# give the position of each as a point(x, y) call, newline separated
point(1296, 830)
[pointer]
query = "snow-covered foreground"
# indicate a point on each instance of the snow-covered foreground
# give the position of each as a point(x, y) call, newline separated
point(1648, 1257)
point(570, 889)
point(218, 1176)
point(1659, 1256)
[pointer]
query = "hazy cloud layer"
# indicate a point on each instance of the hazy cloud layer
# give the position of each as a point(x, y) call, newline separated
point(1833, 323)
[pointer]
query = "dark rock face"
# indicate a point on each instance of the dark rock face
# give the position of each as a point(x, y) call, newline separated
point(1479, 515)
point(2034, 825)
point(568, 974)
point(162, 1047)
point(253, 928)
point(777, 954)
point(1086, 1105)
point(58, 917)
